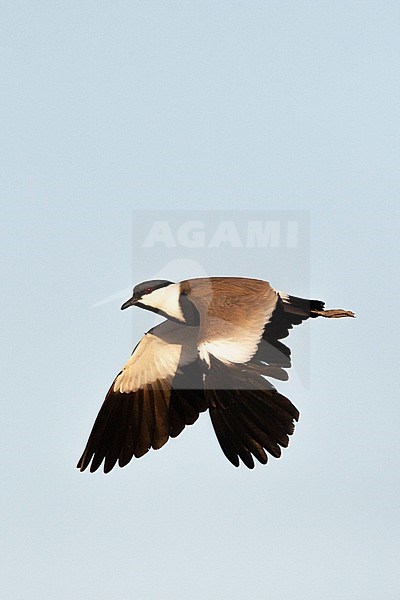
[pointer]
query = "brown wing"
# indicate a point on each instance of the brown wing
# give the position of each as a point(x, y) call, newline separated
point(157, 393)
point(243, 320)
point(233, 314)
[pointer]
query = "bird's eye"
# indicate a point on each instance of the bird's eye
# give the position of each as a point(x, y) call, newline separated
point(148, 290)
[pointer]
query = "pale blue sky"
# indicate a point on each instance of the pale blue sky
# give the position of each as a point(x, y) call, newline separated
point(111, 107)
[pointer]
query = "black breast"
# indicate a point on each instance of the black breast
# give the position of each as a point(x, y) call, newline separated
point(189, 310)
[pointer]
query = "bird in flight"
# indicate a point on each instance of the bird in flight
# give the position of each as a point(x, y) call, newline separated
point(220, 340)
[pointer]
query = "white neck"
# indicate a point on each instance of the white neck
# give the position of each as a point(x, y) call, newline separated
point(166, 299)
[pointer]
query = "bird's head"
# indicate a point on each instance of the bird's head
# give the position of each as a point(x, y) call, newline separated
point(146, 288)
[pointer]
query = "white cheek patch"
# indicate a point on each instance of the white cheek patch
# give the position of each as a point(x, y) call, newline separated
point(167, 300)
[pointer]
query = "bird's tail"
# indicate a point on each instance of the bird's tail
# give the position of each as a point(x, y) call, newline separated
point(300, 309)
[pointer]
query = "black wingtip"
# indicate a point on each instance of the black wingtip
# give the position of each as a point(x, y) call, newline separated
point(81, 464)
point(250, 418)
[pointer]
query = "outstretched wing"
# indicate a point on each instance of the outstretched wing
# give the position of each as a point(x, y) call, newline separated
point(243, 320)
point(158, 392)
point(250, 418)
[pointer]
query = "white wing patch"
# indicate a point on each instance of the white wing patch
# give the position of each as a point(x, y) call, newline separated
point(158, 356)
point(229, 350)
point(148, 365)
point(238, 347)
